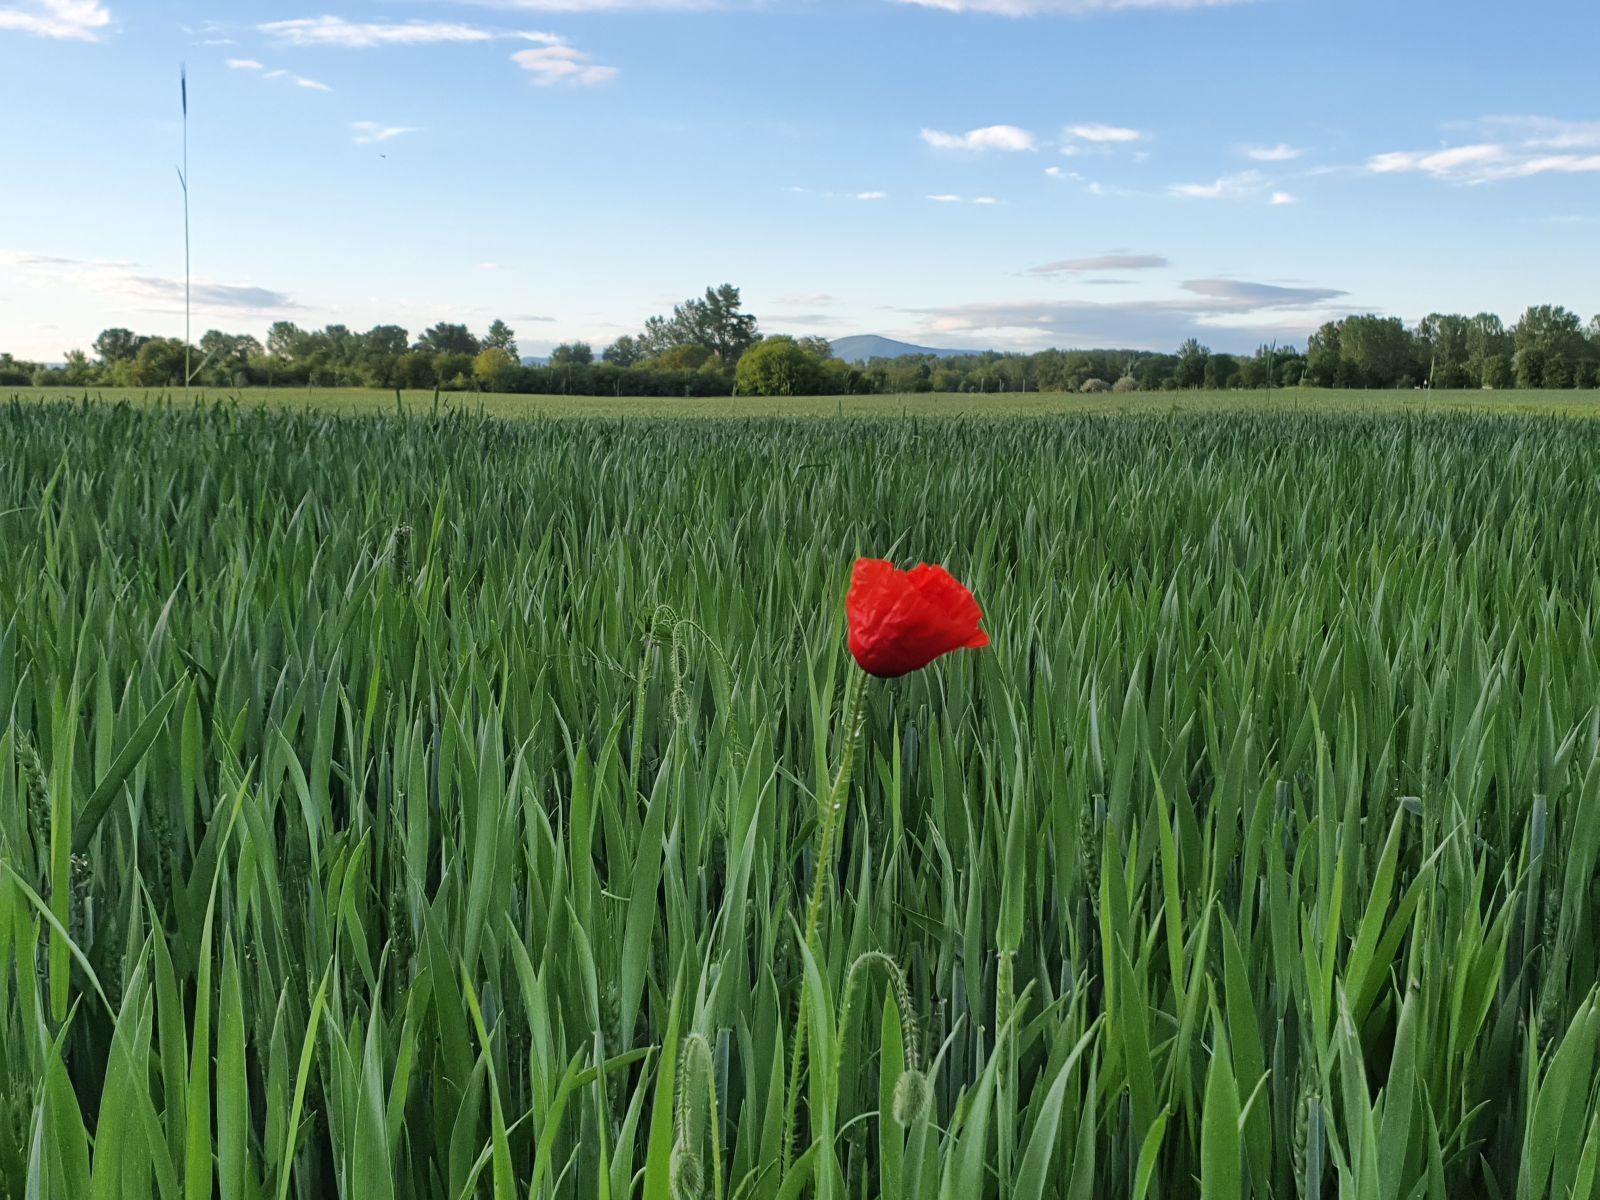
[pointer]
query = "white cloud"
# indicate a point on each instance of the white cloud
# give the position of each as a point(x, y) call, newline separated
point(1205, 307)
point(1229, 187)
point(945, 198)
point(77, 20)
point(357, 35)
point(368, 132)
point(1038, 8)
point(987, 200)
point(1485, 162)
point(1100, 134)
point(1283, 198)
point(590, 6)
point(1507, 148)
point(1055, 172)
point(1103, 262)
point(250, 64)
point(1547, 133)
point(992, 137)
point(560, 63)
point(1282, 152)
point(121, 284)
point(872, 195)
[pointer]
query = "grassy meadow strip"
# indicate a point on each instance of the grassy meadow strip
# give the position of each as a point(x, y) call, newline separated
point(423, 807)
point(351, 401)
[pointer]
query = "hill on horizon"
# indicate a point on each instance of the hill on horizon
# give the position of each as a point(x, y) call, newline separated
point(868, 346)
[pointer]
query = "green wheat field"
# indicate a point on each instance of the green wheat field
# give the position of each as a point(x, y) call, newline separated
point(421, 804)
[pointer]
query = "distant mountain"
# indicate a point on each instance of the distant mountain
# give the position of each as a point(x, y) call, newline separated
point(868, 346)
point(529, 360)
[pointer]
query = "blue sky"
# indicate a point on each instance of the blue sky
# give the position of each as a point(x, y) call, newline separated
point(1008, 173)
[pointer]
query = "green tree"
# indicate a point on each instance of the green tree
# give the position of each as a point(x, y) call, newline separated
point(1222, 372)
point(381, 350)
point(1376, 352)
point(624, 352)
point(159, 363)
point(1444, 342)
point(502, 337)
point(453, 370)
point(118, 345)
point(286, 341)
point(681, 358)
point(493, 367)
point(445, 338)
point(572, 354)
point(778, 366)
point(1497, 372)
point(714, 321)
point(1191, 368)
point(77, 369)
point(1323, 358)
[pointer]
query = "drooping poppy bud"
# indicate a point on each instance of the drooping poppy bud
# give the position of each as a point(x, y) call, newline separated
point(900, 621)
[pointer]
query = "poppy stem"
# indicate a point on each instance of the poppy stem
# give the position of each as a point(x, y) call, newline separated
point(827, 829)
point(833, 811)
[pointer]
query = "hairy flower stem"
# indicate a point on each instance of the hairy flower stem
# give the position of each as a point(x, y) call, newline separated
point(827, 830)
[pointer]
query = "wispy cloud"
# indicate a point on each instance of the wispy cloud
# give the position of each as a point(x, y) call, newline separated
point(559, 63)
point(73, 20)
point(1481, 163)
point(1207, 307)
point(945, 198)
point(1102, 262)
point(1099, 134)
point(1281, 198)
point(992, 137)
point(1229, 187)
point(592, 6)
point(1079, 8)
point(872, 195)
point(250, 64)
point(366, 35)
point(1282, 152)
point(367, 132)
point(987, 200)
point(123, 283)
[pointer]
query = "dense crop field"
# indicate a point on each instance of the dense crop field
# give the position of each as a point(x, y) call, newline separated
point(928, 404)
point(371, 829)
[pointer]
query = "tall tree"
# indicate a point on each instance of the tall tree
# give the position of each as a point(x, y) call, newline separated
point(501, 337)
point(713, 321)
point(624, 352)
point(572, 354)
point(118, 345)
point(286, 340)
point(1191, 369)
point(445, 338)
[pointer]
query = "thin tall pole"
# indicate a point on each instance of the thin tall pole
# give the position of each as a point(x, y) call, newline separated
point(183, 178)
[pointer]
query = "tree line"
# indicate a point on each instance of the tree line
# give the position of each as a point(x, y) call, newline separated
point(709, 346)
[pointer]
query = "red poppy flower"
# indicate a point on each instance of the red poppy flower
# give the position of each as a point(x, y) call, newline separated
point(900, 621)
